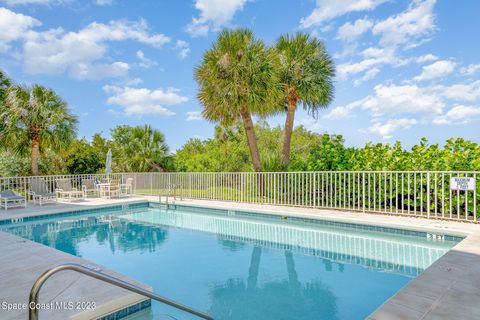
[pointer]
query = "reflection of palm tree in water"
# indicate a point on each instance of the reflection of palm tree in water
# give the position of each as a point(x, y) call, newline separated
point(121, 235)
point(278, 299)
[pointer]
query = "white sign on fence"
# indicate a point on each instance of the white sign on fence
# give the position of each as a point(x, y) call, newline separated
point(462, 183)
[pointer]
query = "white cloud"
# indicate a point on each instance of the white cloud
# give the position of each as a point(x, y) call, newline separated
point(144, 61)
point(405, 30)
point(426, 58)
point(369, 75)
point(27, 2)
point(386, 129)
point(183, 48)
point(133, 82)
point(458, 115)
point(104, 2)
point(342, 112)
point(349, 32)
point(459, 91)
point(416, 22)
point(214, 14)
point(57, 51)
point(470, 70)
point(143, 101)
point(373, 57)
point(194, 115)
point(437, 69)
point(329, 9)
point(85, 71)
point(346, 69)
point(427, 103)
point(393, 99)
point(14, 26)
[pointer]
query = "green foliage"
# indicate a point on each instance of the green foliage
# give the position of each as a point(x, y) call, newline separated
point(306, 70)
point(139, 149)
point(329, 154)
point(36, 113)
point(82, 158)
point(238, 77)
point(12, 164)
point(228, 151)
point(237, 74)
point(34, 119)
point(4, 84)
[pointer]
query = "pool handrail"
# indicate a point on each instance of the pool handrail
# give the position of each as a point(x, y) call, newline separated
point(34, 292)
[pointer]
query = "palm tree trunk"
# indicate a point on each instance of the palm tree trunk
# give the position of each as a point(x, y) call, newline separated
point(287, 134)
point(252, 140)
point(254, 267)
point(292, 273)
point(35, 155)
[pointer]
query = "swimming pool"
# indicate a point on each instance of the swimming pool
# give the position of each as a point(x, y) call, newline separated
point(240, 265)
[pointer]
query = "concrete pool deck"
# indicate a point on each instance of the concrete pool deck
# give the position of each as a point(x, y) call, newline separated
point(22, 262)
point(448, 289)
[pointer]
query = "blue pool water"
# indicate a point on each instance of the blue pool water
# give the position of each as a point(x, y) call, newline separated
point(236, 265)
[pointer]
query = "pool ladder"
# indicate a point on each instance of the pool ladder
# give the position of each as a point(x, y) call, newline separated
point(97, 274)
point(169, 194)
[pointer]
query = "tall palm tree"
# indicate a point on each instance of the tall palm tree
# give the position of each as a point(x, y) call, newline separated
point(237, 79)
point(141, 148)
point(33, 118)
point(307, 72)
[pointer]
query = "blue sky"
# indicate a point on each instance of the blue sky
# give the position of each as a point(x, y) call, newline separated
point(405, 69)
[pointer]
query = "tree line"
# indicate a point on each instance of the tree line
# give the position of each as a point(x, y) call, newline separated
point(311, 151)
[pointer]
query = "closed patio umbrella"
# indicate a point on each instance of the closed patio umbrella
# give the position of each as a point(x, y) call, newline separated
point(108, 164)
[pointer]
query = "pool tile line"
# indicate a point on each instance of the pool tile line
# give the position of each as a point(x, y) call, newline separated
point(128, 311)
point(315, 221)
point(62, 214)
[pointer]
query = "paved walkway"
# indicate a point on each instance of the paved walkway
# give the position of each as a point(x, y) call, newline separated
point(22, 263)
point(64, 206)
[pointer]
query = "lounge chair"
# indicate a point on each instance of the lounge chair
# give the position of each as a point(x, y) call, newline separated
point(39, 191)
point(127, 187)
point(66, 191)
point(89, 187)
point(9, 199)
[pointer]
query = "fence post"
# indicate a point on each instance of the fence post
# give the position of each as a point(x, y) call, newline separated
point(428, 194)
point(363, 191)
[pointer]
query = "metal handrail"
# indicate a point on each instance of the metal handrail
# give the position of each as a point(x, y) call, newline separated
point(34, 292)
point(170, 188)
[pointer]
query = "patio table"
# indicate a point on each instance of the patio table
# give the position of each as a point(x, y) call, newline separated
point(106, 190)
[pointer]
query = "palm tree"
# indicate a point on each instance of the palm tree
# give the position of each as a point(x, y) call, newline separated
point(238, 78)
point(306, 71)
point(4, 84)
point(140, 149)
point(34, 118)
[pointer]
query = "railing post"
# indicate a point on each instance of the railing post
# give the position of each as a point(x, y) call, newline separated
point(363, 191)
point(428, 194)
